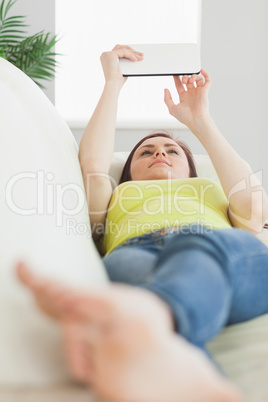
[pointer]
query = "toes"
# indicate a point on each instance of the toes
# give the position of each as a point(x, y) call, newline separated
point(78, 351)
point(26, 276)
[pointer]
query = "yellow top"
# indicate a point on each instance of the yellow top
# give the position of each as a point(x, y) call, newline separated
point(139, 207)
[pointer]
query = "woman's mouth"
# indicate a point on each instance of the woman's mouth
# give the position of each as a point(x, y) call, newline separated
point(160, 161)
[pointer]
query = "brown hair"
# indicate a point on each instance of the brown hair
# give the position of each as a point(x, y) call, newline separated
point(126, 176)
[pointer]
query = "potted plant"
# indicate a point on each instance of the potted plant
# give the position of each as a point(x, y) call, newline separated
point(32, 54)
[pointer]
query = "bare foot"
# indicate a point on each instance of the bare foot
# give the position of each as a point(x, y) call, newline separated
point(120, 341)
point(133, 362)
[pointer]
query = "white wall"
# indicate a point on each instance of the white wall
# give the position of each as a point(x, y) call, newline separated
point(234, 50)
point(40, 15)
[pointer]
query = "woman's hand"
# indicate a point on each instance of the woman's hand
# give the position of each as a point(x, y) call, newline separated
point(193, 107)
point(110, 62)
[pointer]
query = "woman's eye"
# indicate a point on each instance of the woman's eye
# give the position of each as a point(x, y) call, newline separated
point(174, 151)
point(145, 152)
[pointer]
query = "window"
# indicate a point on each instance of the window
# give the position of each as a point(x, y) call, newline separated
point(87, 28)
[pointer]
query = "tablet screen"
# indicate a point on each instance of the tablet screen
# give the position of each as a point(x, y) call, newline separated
point(163, 59)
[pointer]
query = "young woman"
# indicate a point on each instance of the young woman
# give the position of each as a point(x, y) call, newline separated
point(185, 245)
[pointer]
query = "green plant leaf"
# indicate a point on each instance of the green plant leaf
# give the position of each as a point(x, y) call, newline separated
point(34, 56)
point(11, 30)
point(4, 10)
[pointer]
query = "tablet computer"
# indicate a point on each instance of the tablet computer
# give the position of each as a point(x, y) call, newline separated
point(163, 59)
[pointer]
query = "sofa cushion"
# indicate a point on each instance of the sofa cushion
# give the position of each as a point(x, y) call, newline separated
point(44, 221)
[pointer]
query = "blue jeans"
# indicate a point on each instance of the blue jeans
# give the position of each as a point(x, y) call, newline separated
point(209, 278)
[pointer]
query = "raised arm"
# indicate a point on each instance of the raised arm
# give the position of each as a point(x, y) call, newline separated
point(97, 143)
point(248, 202)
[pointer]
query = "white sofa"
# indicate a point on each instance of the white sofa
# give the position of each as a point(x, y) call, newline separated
point(44, 221)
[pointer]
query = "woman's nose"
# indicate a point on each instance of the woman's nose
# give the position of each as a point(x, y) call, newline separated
point(160, 151)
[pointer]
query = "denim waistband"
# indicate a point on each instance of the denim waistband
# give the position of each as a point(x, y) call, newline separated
point(167, 231)
point(163, 231)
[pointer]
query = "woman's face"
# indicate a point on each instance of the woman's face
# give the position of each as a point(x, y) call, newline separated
point(159, 158)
